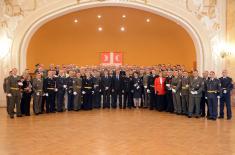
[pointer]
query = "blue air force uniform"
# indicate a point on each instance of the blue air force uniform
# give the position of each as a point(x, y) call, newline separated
point(61, 87)
point(70, 82)
point(151, 80)
point(49, 88)
point(96, 99)
point(87, 91)
point(226, 86)
point(126, 89)
point(213, 91)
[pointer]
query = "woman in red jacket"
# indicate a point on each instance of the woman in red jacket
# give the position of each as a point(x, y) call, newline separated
point(160, 91)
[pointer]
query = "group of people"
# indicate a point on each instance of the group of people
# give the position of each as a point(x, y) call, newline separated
point(162, 87)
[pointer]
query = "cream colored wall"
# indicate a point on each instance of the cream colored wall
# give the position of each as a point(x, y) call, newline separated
point(230, 61)
point(61, 41)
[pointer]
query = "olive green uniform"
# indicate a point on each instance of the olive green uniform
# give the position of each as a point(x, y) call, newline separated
point(37, 95)
point(176, 89)
point(13, 88)
point(77, 85)
point(5, 91)
point(185, 94)
point(195, 88)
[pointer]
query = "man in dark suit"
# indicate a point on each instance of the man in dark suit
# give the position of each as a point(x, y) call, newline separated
point(106, 88)
point(116, 90)
point(151, 80)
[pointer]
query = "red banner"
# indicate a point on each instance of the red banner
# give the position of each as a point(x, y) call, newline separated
point(111, 58)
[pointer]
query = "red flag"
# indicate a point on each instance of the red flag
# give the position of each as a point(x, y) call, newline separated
point(117, 58)
point(105, 58)
point(111, 58)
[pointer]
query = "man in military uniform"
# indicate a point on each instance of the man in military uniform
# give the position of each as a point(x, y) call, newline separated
point(106, 88)
point(37, 87)
point(196, 87)
point(126, 90)
point(49, 88)
point(169, 99)
point(96, 100)
point(185, 92)
point(13, 90)
point(61, 85)
point(146, 97)
point(87, 91)
point(5, 90)
point(176, 89)
point(204, 101)
point(151, 90)
point(77, 86)
point(70, 81)
point(227, 87)
point(116, 90)
point(213, 93)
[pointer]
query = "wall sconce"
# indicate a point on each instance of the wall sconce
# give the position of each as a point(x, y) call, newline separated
point(225, 50)
point(225, 53)
point(5, 44)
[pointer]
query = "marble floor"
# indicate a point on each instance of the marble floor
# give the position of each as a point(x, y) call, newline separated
point(115, 132)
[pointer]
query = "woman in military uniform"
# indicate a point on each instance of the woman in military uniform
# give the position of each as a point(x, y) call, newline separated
point(26, 95)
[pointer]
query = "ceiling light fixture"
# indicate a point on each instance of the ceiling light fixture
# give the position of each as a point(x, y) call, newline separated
point(99, 16)
point(122, 29)
point(75, 20)
point(148, 20)
point(123, 16)
point(100, 28)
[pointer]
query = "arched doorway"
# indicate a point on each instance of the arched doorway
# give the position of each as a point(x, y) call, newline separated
point(29, 26)
point(81, 37)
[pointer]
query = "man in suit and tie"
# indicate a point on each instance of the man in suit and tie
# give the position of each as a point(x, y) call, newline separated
point(116, 90)
point(106, 87)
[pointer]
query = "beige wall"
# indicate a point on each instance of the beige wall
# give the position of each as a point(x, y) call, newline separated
point(230, 62)
point(61, 41)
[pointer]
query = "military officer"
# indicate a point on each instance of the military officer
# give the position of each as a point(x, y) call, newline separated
point(169, 99)
point(70, 81)
point(146, 95)
point(185, 92)
point(204, 101)
point(13, 90)
point(106, 88)
point(213, 92)
point(151, 90)
point(196, 87)
point(87, 91)
point(5, 90)
point(37, 87)
point(126, 90)
point(96, 100)
point(26, 95)
point(176, 89)
point(61, 85)
point(77, 86)
point(227, 87)
point(49, 88)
